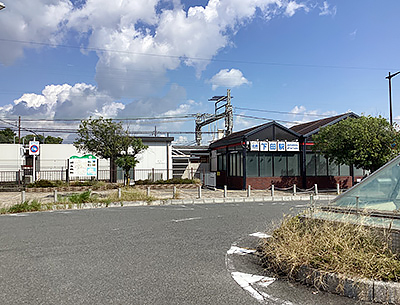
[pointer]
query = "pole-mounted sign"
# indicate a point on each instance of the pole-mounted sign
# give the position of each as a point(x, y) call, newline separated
point(34, 148)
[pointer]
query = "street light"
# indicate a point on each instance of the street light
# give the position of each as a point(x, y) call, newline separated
point(389, 77)
point(2, 5)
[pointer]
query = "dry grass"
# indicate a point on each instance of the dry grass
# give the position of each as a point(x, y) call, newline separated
point(131, 194)
point(343, 248)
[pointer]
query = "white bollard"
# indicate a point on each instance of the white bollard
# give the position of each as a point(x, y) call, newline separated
point(174, 192)
point(55, 196)
point(23, 198)
point(316, 189)
point(337, 188)
point(199, 191)
point(225, 191)
point(272, 190)
point(148, 191)
point(119, 193)
point(248, 190)
point(294, 189)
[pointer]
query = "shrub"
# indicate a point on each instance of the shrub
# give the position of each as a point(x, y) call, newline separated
point(80, 198)
point(344, 248)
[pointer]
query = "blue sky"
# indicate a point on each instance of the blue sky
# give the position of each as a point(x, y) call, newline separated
point(62, 59)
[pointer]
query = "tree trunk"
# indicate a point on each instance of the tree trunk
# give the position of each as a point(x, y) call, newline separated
point(113, 171)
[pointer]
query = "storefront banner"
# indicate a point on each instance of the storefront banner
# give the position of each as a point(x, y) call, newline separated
point(263, 146)
point(273, 146)
point(292, 146)
point(254, 146)
point(281, 146)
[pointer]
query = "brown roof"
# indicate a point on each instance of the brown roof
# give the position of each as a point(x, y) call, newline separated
point(310, 128)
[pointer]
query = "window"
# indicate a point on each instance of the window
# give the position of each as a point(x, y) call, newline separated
point(293, 162)
point(310, 164)
point(265, 164)
point(344, 170)
point(333, 169)
point(252, 164)
point(280, 165)
point(235, 164)
point(322, 166)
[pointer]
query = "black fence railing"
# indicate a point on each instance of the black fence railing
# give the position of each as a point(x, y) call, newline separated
point(26, 175)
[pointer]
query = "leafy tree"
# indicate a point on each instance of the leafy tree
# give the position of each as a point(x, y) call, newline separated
point(367, 142)
point(43, 140)
point(107, 139)
point(7, 135)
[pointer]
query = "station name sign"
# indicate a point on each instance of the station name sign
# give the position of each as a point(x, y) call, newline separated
point(273, 146)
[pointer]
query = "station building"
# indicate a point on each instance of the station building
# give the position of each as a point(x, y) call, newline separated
point(272, 154)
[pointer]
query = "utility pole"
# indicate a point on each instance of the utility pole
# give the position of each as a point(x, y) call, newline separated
point(19, 130)
point(389, 77)
point(206, 118)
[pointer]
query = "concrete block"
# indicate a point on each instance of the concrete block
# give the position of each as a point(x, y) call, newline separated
point(380, 292)
point(393, 292)
point(250, 199)
point(219, 200)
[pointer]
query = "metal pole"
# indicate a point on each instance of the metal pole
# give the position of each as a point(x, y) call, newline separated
point(389, 77)
point(199, 191)
point(337, 188)
point(294, 189)
point(23, 198)
point(272, 190)
point(225, 191)
point(248, 190)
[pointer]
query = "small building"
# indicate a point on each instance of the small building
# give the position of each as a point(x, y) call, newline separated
point(272, 154)
point(52, 162)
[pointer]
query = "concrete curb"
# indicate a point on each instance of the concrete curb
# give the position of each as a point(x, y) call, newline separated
point(360, 289)
point(78, 206)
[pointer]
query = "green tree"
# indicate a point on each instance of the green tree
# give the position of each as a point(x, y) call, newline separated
point(47, 140)
point(107, 139)
point(7, 135)
point(366, 142)
point(53, 140)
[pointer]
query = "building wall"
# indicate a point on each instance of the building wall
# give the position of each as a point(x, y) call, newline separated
point(11, 157)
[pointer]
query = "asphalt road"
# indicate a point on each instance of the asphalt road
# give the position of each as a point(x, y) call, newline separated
point(134, 255)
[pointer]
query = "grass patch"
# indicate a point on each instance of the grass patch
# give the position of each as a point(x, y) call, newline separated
point(343, 248)
point(130, 194)
point(169, 181)
point(25, 206)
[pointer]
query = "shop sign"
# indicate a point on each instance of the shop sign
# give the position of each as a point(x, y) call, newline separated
point(281, 146)
point(292, 146)
point(254, 146)
point(263, 146)
point(273, 146)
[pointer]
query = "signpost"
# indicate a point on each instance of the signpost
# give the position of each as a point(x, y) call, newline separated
point(34, 151)
point(85, 166)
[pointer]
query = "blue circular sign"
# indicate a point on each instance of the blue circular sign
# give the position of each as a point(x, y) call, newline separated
point(34, 148)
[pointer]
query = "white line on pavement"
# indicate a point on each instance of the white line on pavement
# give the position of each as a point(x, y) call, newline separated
point(186, 219)
point(260, 235)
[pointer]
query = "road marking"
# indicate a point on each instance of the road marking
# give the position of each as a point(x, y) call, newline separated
point(186, 219)
point(245, 280)
point(260, 235)
point(18, 215)
point(240, 251)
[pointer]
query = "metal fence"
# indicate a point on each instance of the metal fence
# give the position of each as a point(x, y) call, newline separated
point(26, 176)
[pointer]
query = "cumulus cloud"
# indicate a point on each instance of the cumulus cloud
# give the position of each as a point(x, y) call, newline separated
point(64, 101)
point(299, 115)
point(228, 78)
point(326, 9)
point(137, 41)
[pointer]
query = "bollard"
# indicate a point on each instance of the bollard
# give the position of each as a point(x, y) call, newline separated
point(272, 190)
point(23, 199)
point(55, 196)
point(225, 191)
point(199, 191)
point(311, 205)
point(119, 193)
point(148, 191)
point(294, 190)
point(316, 189)
point(337, 188)
point(248, 190)
point(174, 192)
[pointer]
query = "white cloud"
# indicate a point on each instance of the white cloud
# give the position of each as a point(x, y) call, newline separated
point(326, 9)
point(31, 20)
point(299, 115)
point(228, 78)
point(353, 34)
point(293, 6)
point(145, 38)
point(64, 101)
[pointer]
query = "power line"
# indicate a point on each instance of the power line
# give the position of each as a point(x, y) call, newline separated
point(179, 57)
point(279, 112)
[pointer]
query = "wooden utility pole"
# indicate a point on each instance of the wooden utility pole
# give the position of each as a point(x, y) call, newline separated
point(19, 130)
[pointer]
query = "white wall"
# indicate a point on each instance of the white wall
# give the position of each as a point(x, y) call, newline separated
point(11, 157)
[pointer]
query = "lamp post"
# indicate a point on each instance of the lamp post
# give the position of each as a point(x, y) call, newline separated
point(389, 77)
point(2, 6)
